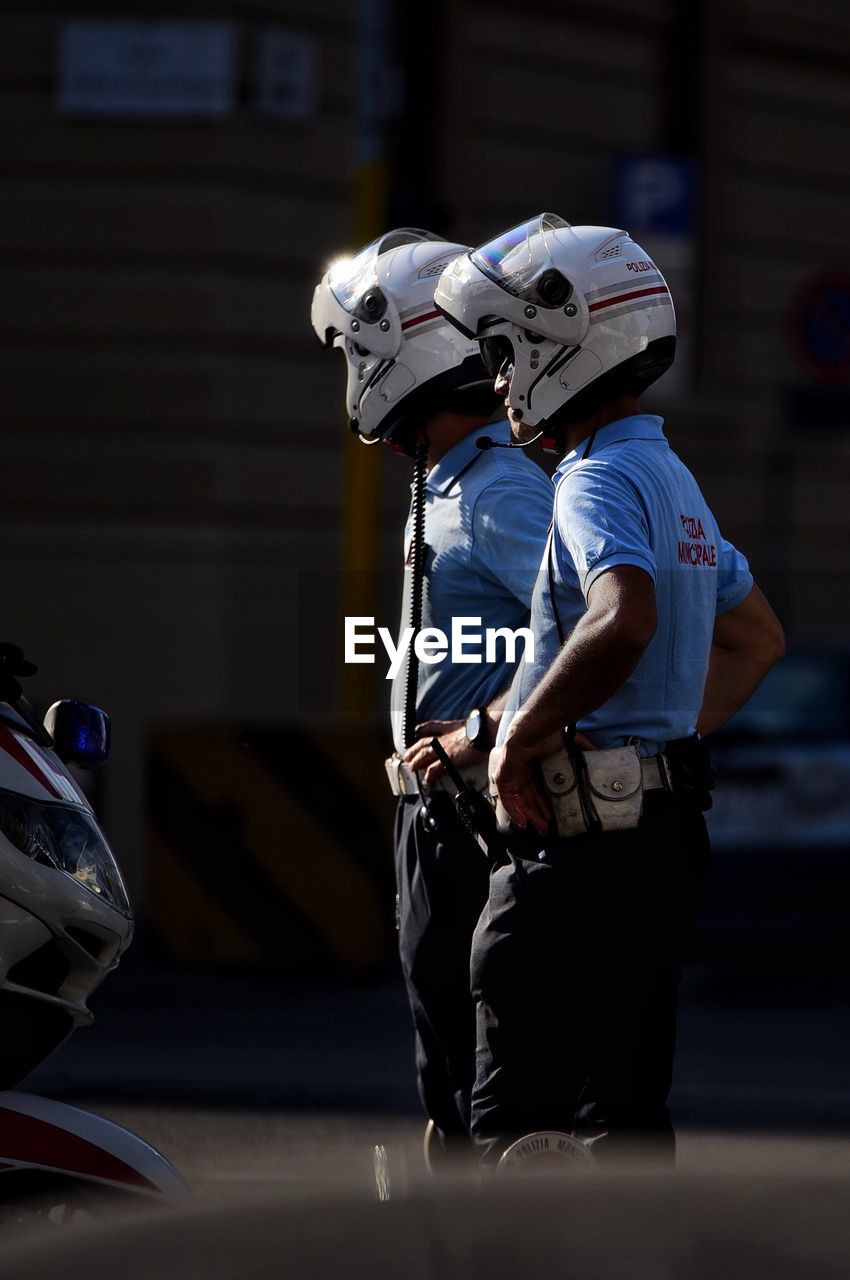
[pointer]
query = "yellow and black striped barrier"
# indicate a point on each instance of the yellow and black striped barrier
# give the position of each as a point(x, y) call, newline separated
point(271, 848)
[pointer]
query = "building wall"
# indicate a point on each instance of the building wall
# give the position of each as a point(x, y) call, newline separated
point(173, 455)
point(770, 95)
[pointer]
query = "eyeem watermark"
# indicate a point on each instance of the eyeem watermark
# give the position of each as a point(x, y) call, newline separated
point(431, 645)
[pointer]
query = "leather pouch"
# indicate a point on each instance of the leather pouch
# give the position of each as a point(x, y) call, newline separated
point(563, 785)
point(588, 790)
point(614, 786)
point(594, 790)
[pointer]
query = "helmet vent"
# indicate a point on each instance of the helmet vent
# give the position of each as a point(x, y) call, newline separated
point(436, 268)
point(614, 252)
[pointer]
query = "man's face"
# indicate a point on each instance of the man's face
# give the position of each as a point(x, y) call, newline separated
point(521, 432)
point(406, 439)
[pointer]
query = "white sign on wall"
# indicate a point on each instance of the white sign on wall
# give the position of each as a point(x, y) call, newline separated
point(146, 69)
point(287, 82)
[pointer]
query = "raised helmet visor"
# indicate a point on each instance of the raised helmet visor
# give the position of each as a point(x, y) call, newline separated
point(515, 279)
point(351, 280)
point(349, 300)
point(520, 260)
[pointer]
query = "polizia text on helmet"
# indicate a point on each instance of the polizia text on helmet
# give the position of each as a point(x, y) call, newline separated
point(432, 645)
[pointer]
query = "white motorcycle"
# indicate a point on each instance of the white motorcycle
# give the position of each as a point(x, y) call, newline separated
point(65, 921)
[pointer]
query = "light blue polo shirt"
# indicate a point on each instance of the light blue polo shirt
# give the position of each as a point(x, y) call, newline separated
point(633, 502)
point(487, 517)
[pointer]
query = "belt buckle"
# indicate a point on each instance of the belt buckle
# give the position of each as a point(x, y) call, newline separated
point(401, 781)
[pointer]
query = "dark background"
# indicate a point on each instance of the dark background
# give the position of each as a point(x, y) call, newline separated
point(185, 517)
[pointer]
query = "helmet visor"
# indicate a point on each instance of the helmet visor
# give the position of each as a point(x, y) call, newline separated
point(351, 279)
point(517, 259)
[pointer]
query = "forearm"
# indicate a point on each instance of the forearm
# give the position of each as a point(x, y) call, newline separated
point(732, 679)
point(452, 735)
point(747, 641)
point(595, 661)
point(493, 713)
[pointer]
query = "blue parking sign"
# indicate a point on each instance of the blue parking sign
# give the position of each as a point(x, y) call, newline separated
point(655, 195)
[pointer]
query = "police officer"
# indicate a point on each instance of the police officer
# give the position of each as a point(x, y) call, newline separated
point(650, 633)
point(473, 543)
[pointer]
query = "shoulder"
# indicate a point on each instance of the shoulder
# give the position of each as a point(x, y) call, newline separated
point(598, 495)
point(509, 479)
point(515, 464)
point(501, 472)
point(602, 479)
point(512, 501)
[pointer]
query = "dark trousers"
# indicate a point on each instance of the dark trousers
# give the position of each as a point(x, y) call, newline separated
point(575, 967)
point(442, 880)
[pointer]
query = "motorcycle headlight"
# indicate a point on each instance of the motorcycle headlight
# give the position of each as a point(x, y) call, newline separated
point(66, 839)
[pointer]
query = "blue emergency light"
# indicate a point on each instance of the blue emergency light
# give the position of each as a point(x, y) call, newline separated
point(81, 734)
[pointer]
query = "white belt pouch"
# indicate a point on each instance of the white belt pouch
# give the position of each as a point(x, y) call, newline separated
point(603, 792)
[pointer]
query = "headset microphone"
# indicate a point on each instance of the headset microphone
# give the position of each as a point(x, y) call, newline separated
point(485, 442)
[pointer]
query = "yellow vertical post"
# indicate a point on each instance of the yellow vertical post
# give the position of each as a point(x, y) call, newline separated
point(361, 474)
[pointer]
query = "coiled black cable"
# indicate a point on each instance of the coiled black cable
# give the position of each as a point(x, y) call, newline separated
point(417, 559)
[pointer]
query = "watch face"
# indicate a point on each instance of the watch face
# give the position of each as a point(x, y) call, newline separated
point(473, 725)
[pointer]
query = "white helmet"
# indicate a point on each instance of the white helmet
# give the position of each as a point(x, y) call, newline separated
point(580, 312)
point(405, 361)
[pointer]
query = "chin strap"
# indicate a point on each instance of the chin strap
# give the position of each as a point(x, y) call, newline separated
point(555, 443)
point(591, 439)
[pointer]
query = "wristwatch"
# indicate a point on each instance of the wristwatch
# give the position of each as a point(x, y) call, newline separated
point(477, 731)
